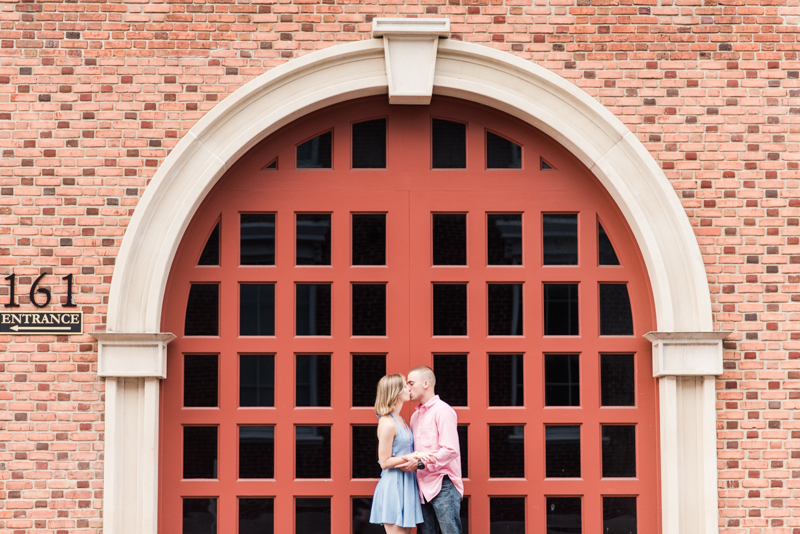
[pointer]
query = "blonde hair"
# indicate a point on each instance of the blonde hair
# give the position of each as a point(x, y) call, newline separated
point(389, 389)
point(426, 373)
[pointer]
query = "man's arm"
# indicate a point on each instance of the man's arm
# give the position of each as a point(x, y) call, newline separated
point(449, 448)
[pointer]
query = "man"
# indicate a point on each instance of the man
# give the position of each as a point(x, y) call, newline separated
point(435, 428)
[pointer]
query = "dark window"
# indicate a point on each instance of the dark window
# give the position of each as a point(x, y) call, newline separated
point(545, 166)
point(256, 516)
point(562, 380)
point(257, 380)
point(615, 310)
point(202, 311)
point(449, 309)
point(369, 309)
point(369, 239)
point(563, 451)
point(502, 153)
point(257, 309)
point(561, 309)
point(619, 515)
point(313, 449)
point(200, 379)
point(313, 309)
point(560, 239)
point(257, 239)
point(312, 516)
point(369, 144)
point(367, 371)
point(465, 513)
point(199, 452)
point(365, 452)
point(505, 309)
point(606, 249)
point(619, 451)
point(210, 255)
point(451, 378)
point(504, 236)
point(506, 380)
point(564, 515)
point(507, 451)
point(449, 238)
point(315, 153)
point(507, 515)
point(199, 516)
point(449, 144)
point(463, 445)
point(617, 380)
point(313, 380)
point(313, 239)
point(362, 506)
point(271, 166)
point(256, 452)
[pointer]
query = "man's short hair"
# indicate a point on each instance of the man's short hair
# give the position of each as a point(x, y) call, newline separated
point(426, 373)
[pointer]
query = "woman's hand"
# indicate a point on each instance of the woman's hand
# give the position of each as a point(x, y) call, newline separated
point(427, 456)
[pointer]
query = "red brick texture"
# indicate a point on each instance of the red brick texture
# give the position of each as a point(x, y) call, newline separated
point(94, 94)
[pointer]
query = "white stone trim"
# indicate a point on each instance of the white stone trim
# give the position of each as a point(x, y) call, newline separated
point(478, 74)
point(686, 353)
point(132, 355)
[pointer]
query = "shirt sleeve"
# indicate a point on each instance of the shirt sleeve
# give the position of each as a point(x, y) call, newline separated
point(449, 449)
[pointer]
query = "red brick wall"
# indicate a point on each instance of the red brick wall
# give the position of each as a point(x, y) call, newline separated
point(94, 94)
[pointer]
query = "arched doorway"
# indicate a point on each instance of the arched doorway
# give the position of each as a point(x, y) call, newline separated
point(499, 268)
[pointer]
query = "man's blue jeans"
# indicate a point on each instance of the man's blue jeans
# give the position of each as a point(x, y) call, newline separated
point(443, 513)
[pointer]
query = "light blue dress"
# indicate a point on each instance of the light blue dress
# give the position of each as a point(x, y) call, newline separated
point(396, 499)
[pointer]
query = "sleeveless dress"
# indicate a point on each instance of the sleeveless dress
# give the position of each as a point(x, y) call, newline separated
point(396, 499)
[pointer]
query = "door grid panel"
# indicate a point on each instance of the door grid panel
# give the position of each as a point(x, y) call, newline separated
point(493, 277)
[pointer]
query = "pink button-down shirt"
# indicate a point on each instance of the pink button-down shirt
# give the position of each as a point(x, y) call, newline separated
point(435, 427)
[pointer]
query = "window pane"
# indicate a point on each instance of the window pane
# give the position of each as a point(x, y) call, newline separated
point(560, 239)
point(463, 444)
point(313, 380)
point(617, 380)
point(507, 515)
point(199, 452)
point(200, 376)
point(505, 309)
point(210, 255)
point(367, 371)
point(365, 452)
point(465, 515)
point(312, 516)
point(506, 380)
point(449, 144)
point(313, 309)
point(449, 238)
point(369, 309)
point(257, 239)
point(449, 309)
point(199, 516)
point(562, 380)
point(313, 445)
point(257, 309)
point(561, 309)
point(369, 239)
point(451, 378)
point(315, 153)
point(606, 249)
point(615, 310)
point(257, 380)
point(504, 236)
point(202, 311)
point(256, 516)
point(619, 515)
point(362, 506)
point(502, 153)
point(619, 451)
point(506, 451)
point(564, 515)
point(256, 452)
point(369, 144)
point(313, 239)
point(563, 451)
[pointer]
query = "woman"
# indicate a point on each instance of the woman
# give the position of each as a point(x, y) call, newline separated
point(396, 500)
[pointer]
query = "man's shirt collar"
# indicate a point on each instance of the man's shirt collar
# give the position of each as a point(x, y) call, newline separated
point(428, 405)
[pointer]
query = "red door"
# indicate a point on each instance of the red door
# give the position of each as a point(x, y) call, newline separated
point(368, 239)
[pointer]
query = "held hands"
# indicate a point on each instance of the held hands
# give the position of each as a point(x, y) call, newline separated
point(411, 460)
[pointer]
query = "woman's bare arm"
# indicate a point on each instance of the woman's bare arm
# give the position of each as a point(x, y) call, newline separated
point(387, 430)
